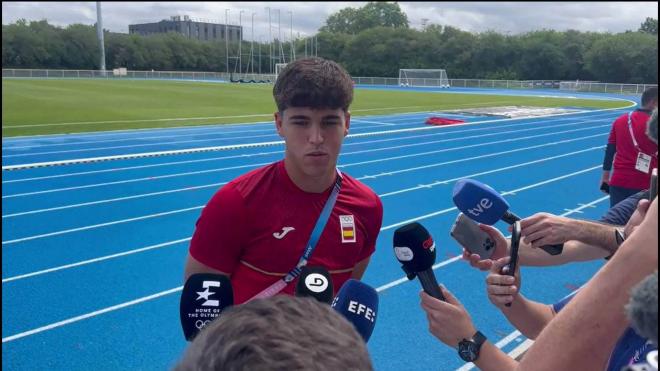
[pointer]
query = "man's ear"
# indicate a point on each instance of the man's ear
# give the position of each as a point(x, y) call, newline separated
point(278, 123)
point(347, 115)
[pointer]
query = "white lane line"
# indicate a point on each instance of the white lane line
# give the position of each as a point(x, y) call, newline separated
point(248, 145)
point(536, 127)
point(4, 243)
point(95, 260)
point(176, 289)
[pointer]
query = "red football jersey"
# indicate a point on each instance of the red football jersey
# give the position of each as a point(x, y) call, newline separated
point(624, 173)
point(255, 228)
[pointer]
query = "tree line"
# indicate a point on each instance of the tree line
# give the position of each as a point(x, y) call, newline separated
point(374, 40)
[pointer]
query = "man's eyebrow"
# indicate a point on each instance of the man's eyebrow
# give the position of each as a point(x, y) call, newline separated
point(299, 117)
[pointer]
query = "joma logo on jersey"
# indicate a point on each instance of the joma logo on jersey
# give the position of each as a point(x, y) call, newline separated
point(347, 225)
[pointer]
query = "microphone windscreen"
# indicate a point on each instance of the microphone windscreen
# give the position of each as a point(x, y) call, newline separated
point(315, 282)
point(358, 303)
point(414, 247)
point(203, 298)
point(643, 308)
point(479, 202)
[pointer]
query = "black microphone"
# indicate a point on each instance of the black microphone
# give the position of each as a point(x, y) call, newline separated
point(415, 250)
point(203, 298)
point(315, 282)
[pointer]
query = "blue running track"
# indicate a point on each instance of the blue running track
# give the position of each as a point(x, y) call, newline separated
point(93, 252)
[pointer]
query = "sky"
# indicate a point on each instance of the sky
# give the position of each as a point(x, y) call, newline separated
point(305, 18)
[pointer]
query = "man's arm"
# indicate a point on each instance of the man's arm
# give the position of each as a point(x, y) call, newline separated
point(360, 267)
point(583, 334)
point(547, 229)
point(193, 266)
point(528, 316)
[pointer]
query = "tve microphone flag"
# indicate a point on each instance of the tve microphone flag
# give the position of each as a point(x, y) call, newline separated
point(203, 298)
point(484, 205)
point(358, 303)
point(415, 250)
point(315, 282)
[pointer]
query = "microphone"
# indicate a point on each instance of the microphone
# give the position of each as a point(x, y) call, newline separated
point(358, 303)
point(643, 308)
point(415, 250)
point(203, 298)
point(315, 282)
point(485, 205)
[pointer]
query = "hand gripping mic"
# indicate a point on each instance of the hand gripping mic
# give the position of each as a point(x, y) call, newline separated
point(315, 282)
point(203, 298)
point(484, 205)
point(415, 250)
point(358, 303)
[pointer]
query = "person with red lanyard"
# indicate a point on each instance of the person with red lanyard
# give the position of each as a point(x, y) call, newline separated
point(261, 228)
point(636, 154)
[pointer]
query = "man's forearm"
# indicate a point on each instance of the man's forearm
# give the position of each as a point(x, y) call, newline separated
point(596, 234)
point(528, 316)
point(583, 334)
point(492, 358)
point(574, 251)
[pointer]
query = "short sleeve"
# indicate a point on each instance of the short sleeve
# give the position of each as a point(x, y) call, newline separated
point(220, 231)
point(374, 223)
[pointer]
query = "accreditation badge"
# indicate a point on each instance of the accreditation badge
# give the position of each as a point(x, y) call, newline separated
point(643, 163)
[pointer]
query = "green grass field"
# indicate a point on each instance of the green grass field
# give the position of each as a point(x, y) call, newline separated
point(31, 107)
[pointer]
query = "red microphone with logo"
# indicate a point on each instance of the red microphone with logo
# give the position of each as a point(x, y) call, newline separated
point(415, 249)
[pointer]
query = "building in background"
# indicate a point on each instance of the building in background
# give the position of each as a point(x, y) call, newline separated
point(190, 28)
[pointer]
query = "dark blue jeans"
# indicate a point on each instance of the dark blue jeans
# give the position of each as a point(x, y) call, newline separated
point(618, 194)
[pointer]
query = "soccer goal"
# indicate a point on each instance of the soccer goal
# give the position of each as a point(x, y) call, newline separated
point(279, 67)
point(423, 77)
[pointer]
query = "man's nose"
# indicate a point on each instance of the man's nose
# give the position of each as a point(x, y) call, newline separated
point(315, 134)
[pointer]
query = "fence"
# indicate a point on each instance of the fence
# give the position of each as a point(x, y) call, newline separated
point(582, 86)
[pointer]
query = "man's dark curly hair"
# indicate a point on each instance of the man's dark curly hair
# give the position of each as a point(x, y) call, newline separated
point(313, 82)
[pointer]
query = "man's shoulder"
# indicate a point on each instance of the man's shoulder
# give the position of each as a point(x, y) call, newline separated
point(254, 180)
point(357, 190)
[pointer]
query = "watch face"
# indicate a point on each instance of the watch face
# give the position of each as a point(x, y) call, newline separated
point(467, 350)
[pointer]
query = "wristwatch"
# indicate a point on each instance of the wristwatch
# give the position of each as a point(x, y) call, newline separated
point(468, 350)
point(620, 236)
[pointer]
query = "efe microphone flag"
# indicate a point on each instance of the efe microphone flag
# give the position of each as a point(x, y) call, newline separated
point(358, 303)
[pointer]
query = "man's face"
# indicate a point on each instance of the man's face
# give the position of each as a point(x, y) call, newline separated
point(313, 137)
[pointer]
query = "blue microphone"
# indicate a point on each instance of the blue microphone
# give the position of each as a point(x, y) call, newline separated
point(485, 205)
point(358, 303)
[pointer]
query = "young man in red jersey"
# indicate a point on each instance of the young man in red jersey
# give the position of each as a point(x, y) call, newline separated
point(258, 227)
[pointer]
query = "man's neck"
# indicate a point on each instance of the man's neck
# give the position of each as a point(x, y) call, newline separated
point(307, 183)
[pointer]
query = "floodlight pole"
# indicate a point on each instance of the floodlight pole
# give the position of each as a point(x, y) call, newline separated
point(240, 41)
point(260, 42)
point(227, 39)
point(270, 44)
point(279, 39)
point(99, 32)
point(252, 46)
point(293, 54)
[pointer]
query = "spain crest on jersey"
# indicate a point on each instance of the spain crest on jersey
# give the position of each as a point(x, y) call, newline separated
point(347, 225)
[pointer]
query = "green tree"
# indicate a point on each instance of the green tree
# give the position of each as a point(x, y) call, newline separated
point(650, 25)
point(373, 14)
point(626, 57)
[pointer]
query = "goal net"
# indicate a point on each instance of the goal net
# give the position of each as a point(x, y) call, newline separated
point(279, 67)
point(423, 77)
